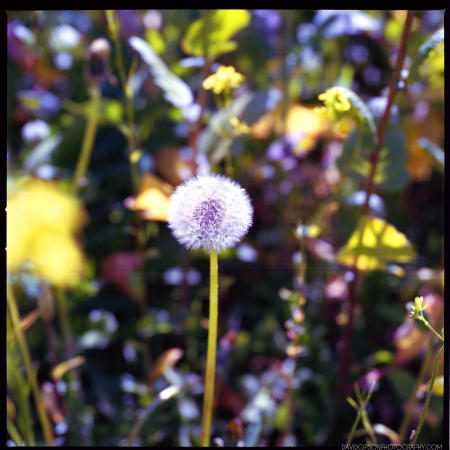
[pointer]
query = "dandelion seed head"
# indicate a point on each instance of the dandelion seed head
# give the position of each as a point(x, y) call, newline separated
point(211, 212)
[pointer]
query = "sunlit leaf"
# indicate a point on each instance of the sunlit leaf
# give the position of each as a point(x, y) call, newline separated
point(373, 243)
point(424, 51)
point(176, 91)
point(153, 198)
point(209, 36)
point(61, 369)
point(166, 361)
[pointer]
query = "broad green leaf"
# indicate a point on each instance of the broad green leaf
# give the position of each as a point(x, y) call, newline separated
point(209, 36)
point(424, 51)
point(391, 173)
point(373, 243)
point(176, 91)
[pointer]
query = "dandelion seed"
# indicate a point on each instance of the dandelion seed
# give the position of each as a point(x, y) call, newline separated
point(211, 212)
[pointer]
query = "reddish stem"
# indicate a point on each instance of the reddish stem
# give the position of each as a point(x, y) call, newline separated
point(374, 158)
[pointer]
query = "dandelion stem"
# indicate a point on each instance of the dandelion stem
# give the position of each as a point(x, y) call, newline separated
point(428, 397)
point(92, 119)
point(211, 356)
point(32, 378)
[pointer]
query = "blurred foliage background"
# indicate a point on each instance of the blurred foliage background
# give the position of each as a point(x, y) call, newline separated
point(114, 310)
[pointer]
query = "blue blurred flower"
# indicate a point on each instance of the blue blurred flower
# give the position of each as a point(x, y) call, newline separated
point(63, 60)
point(305, 32)
point(357, 53)
point(268, 19)
point(64, 37)
point(35, 130)
point(245, 252)
point(376, 203)
point(152, 19)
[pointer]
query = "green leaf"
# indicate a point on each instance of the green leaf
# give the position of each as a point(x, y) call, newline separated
point(209, 36)
point(391, 173)
point(42, 152)
point(402, 382)
point(281, 419)
point(248, 107)
point(373, 243)
point(176, 91)
point(423, 52)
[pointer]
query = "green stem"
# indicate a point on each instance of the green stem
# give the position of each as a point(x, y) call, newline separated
point(64, 322)
point(211, 356)
point(13, 432)
point(32, 378)
point(92, 118)
point(413, 398)
point(359, 414)
point(163, 396)
point(427, 324)
point(130, 134)
point(428, 397)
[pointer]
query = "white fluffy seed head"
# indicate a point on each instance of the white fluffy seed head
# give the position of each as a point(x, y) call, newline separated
point(210, 212)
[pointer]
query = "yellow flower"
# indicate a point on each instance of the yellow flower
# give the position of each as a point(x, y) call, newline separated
point(239, 127)
point(335, 99)
point(41, 225)
point(226, 78)
point(418, 307)
point(56, 258)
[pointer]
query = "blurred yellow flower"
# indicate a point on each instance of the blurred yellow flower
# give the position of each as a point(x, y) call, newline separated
point(226, 78)
point(56, 258)
point(41, 222)
point(239, 127)
point(335, 98)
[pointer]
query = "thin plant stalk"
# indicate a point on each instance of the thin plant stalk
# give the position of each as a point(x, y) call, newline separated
point(211, 355)
point(13, 432)
point(428, 397)
point(92, 118)
point(413, 398)
point(31, 373)
point(113, 27)
point(359, 414)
